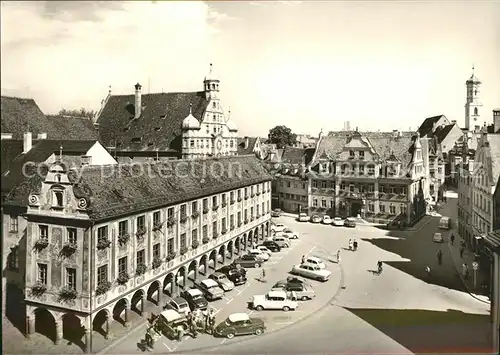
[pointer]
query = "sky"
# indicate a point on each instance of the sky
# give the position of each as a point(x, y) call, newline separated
point(307, 65)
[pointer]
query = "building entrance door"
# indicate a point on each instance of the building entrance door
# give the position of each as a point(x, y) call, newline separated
point(355, 208)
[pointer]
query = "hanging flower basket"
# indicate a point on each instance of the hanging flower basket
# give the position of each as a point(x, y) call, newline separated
point(170, 221)
point(195, 244)
point(195, 214)
point(246, 197)
point(183, 250)
point(102, 288)
point(232, 201)
point(205, 240)
point(156, 263)
point(103, 244)
point(69, 248)
point(205, 210)
point(157, 226)
point(38, 289)
point(258, 193)
point(123, 239)
point(224, 231)
point(239, 199)
point(246, 220)
point(224, 204)
point(41, 243)
point(140, 269)
point(122, 278)
point(252, 195)
point(171, 256)
point(232, 226)
point(140, 232)
point(184, 219)
point(68, 293)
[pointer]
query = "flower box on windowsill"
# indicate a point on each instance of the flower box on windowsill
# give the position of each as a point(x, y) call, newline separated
point(170, 221)
point(215, 235)
point(156, 263)
point(103, 244)
point(38, 289)
point(122, 278)
point(195, 214)
point(205, 210)
point(123, 239)
point(223, 231)
point(239, 199)
point(140, 232)
point(239, 224)
point(140, 269)
point(70, 248)
point(231, 226)
point(246, 197)
point(171, 256)
point(195, 244)
point(246, 220)
point(68, 293)
point(102, 288)
point(258, 193)
point(252, 195)
point(224, 204)
point(183, 250)
point(232, 201)
point(205, 240)
point(42, 243)
point(157, 226)
point(184, 219)
point(215, 208)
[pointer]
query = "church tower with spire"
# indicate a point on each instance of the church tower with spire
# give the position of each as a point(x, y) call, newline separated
point(473, 105)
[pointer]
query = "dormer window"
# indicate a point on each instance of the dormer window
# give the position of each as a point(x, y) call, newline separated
point(361, 154)
point(136, 140)
point(351, 153)
point(57, 198)
point(214, 105)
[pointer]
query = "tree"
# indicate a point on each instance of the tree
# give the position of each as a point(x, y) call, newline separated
point(282, 136)
point(83, 112)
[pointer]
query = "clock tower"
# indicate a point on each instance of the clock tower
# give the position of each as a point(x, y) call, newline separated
point(473, 106)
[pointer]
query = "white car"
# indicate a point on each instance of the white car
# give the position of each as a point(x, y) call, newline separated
point(338, 222)
point(438, 238)
point(311, 271)
point(282, 241)
point(278, 227)
point(326, 220)
point(315, 261)
point(275, 299)
point(290, 234)
point(259, 254)
point(263, 249)
point(303, 217)
point(316, 219)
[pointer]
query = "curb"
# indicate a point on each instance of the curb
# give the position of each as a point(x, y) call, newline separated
point(119, 340)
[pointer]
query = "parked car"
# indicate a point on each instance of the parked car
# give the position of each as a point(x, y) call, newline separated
point(303, 217)
point(298, 290)
point(276, 212)
point(178, 304)
point(316, 219)
point(290, 234)
point(277, 299)
point(248, 260)
point(222, 280)
point(283, 242)
point(326, 220)
point(278, 227)
point(311, 271)
point(237, 275)
point(437, 238)
point(195, 299)
point(297, 280)
point(240, 324)
point(315, 261)
point(350, 222)
point(338, 222)
point(445, 223)
point(259, 254)
point(210, 289)
point(264, 249)
point(272, 245)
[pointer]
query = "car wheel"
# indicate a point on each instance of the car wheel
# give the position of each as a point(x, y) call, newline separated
point(259, 308)
point(286, 309)
point(259, 331)
point(256, 265)
point(304, 298)
point(230, 335)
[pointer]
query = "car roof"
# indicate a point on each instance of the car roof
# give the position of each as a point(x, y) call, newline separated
point(352, 219)
point(276, 293)
point(254, 251)
point(437, 233)
point(218, 274)
point(195, 292)
point(179, 300)
point(209, 283)
point(308, 264)
point(302, 214)
point(170, 315)
point(238, 317)
point(315, 258)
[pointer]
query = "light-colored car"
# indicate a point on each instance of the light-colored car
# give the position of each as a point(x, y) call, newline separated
point(437, 238)
point(264, 249)
point(222, 280)
point(259, 254)
point(290, 234)
point(278, 227)
point(445, 223)
point(326, 220)
point(282, 241)
point(303, 217)
point(178, 304)
point(350, 222)
point(314, 260)
point(311, 271)
point(338, 222)
point(210, 289)
point(316, 219)
point(274, 299)
point(297, 291)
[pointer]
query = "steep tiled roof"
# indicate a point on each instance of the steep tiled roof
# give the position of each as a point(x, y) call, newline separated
point(242, 150)
point(293, 155)
point(68, 127)
point(133, 188)
point(329, 146)
point(442, 132)
point(427, 125)
point(158, 127)
point(387, 145)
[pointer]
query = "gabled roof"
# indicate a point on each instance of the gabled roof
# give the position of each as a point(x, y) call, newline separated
point(157, 128)
point(388, 145)
point(427, 125)
point(329, 146)
point(295, 156)
point(244, 150)
point(23, 115)
point(442, 131)
point(118, 190)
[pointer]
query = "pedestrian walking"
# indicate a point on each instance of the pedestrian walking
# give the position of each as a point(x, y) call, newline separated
point(355, 245)
point(466, 274)
point(428, 270)
point(263, 276)
point(464, 270)
point(452, 238)
point(180, 332)
point(379, 267)
point(303, 259)
point(350, 244)
point(440, 256)
point(211, 322)
point(338, 256)
point(461, 252)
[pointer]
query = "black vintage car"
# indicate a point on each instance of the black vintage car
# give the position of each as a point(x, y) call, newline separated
point(195, 299)
point(240, 324)
point(272, 246)
point(236, 274)
point(248, 260)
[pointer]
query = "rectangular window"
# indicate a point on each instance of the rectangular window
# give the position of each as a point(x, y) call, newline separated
point(42, 273)
point(246, 215)
point(194, 236)
point(231, 195)
point(315, 202)
point(141, 222)
point(122, 265)
point(72, 235)
point(170, 246)
point(263, 208)
point(156, 218)
point(122, 227)
point(183, 210)
point(361, 154)
point(392, 209)
point(251, 212)
point(257, 210)
point(58, 198)
point(382, 208)
point(314, 183)
point(13, 259)
point(71, 278)
point(102, 274)
point(223, 224)
point(141, 257)
point(156, 251)
point(239, 217)
point(239, 194)
point(223, 198)
point(13, 227)
point(183, 241)
point(214, 201)
point(371, 207)
point(246, 192)
point(44, 232)
point(323, 203)
point(231, 221)
point(331, 203)
point(214, 229)
point(194, 206)
point(351, 153)
point(170, 213)
point(205, 231)
point(102, 233)
point(381, 188)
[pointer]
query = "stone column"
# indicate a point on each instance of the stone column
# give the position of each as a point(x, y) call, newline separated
point(224, 256)
point(160, 295)
point(59, 332)
point(30, 326)
point(174, 286)
point(206, 266)
point(143, 304)
point(107, 334)
point(88, 344)
point(127, 316)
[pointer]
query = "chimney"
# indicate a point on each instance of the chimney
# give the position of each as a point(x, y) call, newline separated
point(96, 127)
point(42, 136)
point(138, 104)
point(496, 120)
point(246, 142)
point(27, 142)
point(454, 121)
